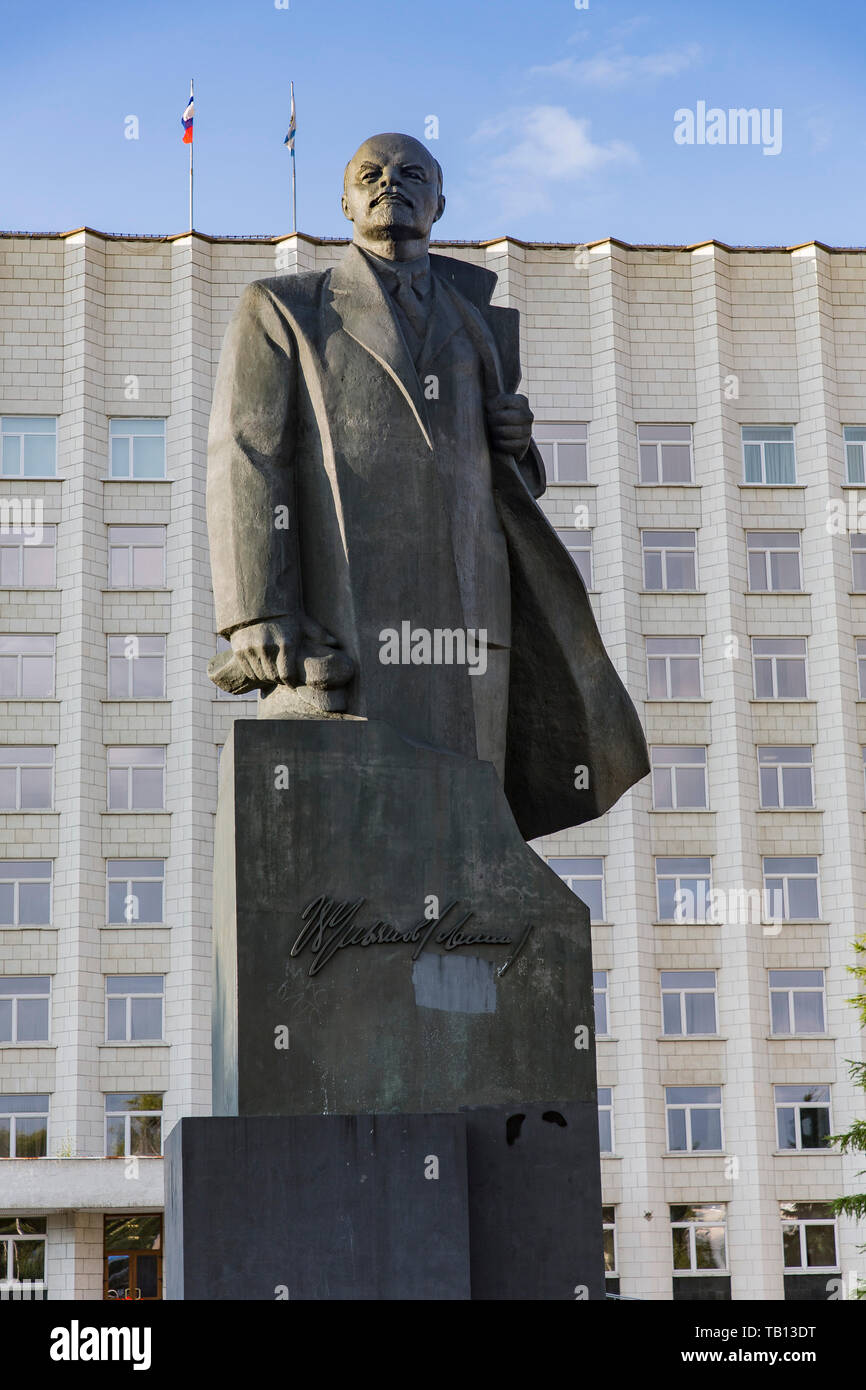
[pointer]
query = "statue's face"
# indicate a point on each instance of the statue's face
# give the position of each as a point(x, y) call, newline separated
point(392, 190)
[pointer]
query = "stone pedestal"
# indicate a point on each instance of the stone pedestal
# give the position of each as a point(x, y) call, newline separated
point(404, 1065)
point(384, 939)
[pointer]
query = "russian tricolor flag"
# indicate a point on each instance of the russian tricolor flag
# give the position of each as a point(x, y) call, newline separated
point(187, 118)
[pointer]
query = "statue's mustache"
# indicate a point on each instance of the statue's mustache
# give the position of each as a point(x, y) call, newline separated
point(390, 193)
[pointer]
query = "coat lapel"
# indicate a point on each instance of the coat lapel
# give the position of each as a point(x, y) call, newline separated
point(365, 312)
point(444, 321)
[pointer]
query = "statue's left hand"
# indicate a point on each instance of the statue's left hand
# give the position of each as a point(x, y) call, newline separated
point(509, 422)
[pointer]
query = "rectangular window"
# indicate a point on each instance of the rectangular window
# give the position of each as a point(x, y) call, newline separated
point(791, 889)
point(23, 1126)
point(579, 546)
point(683, 889)
point(563, 446)
point(601, 1000)
point(137, 448)
point(608, 1218)
point(694, 1119)
point(135, 890)
point(26, 778)
point(26, 666)
point(24, 1008)
point(809, 1235)
point(136, 779)
point(688, 1003)
point(679, 778)
point(133, 1125)
point(797, 1002)
point(25, 892)
point(785, 777)
point(802, 1116)
point(855, 443)
point(861, 667)
point(774, 561)
point(779, 665)
point(665, 453)
point(136, 557)
point(698, 1234)
point(605, 1119)
point(768, 455)
point(674, 668)
point(28, 446)
point(670, 560)
point(133, 1008)
point(27, 557)
point(858, 562)
point(585, 877)
point(136, 668)
point(22, 1253)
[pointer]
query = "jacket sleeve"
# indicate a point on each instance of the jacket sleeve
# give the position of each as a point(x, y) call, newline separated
point(251, 512)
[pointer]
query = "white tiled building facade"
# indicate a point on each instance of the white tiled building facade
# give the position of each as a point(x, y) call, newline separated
point(104, 1014)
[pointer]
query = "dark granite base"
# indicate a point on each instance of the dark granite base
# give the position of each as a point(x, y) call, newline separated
point(491, 1203)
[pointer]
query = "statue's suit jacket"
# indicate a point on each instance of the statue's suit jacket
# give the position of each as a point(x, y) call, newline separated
point(397, 511)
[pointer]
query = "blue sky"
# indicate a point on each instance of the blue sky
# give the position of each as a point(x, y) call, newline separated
point(555, 124)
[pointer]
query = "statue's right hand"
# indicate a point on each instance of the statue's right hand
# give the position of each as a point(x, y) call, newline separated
point(267, 653)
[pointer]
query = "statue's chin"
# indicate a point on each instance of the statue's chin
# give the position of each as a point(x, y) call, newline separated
point(390, 228)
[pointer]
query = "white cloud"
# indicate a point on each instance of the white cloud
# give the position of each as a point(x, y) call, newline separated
point(613, 67)
point(547, 141)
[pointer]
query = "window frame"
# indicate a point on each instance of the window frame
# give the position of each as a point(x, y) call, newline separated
point(130, 767)
point(131, 662)
point(795, 1105)
point(128, 1116)
point(21, 656)
point(579, 550)
point(605, 1108)
point(678, 878)
point(13, 1115)
point(773, 658)
point(16, 540)
point(787, 876)
point(130, 547)
point(693, 1225)
point(7, 765)
point(674, 767)
point(131, 435)
point(789, 991)
point(861, 443)
point(768, 551)
point(16, 924)
point(129, 996)
point(688, 1106)
point(801, 1223)
point(668, 658)
point(21, 435)
point(660, 445)
point(8, 994)
point(129, 881)
point(552, 443)
point(608, 1223)
point(761, 444)
point(682, 991)
point(780, 767)
point(602, 991)
point(8, 1283)
point(664, 551)
point(570, 878)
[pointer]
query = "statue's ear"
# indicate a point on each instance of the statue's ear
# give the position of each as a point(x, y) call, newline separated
point(440, 208)
point(344, 203)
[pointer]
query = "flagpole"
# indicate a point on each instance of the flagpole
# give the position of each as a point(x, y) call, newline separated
point(294, 180)
point(191, 144)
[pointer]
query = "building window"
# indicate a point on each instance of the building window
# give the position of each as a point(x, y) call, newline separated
point(133, 1125)
point(679, 778)
point(23, 1126)
point(665, 453)
point(136, 668)
point(136, 557)
point(133, 1008)
point(797, 1002)
point(22, 1254)
point(605, 1119)
point(768, 455)
point(791, 889)
point(608, 1218)
point(785, 777)
point(24, 1008)
point(670, 560)
point(674, 668)
point(29, 446)
point(802, 1116)
point(858, 562)
point(26, 778)
point(135, 890)
point(585, 877)
point(694, 1119)
point(601, 1000)
point(25, 892)
point(579, 546)
point(137, 448)
point(688, 1003)
point(855, 466)
point(136, 779)
point(133, 1257)
point(26, 667)
point(683, 889)
point(780, 668)
point(774, 561)
point(861, 667)
point(563, 446)
point(809, 1235)
point(698, 1234)
point(27, 557)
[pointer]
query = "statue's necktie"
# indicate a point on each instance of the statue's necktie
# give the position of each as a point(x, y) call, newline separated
point(408, 288)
